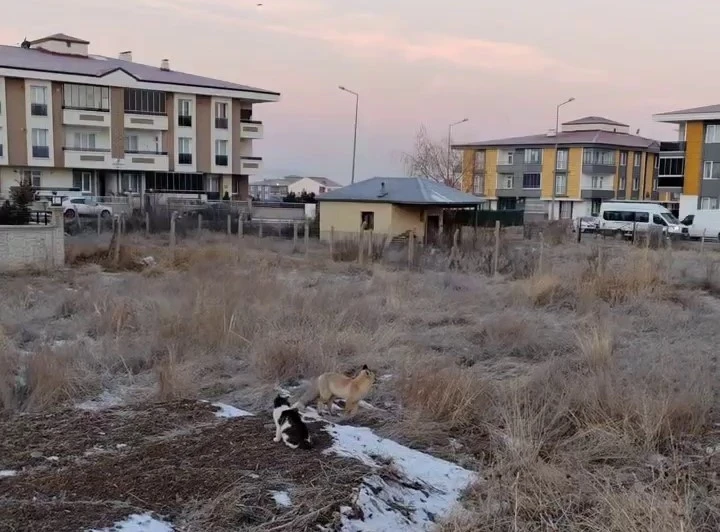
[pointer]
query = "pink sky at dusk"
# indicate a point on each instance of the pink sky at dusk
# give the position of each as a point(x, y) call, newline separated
point(504, 66)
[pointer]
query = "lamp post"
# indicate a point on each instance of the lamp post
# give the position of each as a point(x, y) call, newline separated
point(357, 101)
point(449, 165)
point(557, 132)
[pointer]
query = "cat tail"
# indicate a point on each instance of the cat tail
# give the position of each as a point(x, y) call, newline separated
point(311, 393)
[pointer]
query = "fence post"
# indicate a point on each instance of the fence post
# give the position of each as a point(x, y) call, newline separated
point(229, 225)
point(496, 255)
point(116, 251)
point(332, 242)
point(99, 222)
point(361, 247)
point(370, 246)
point(579, 229)
point(240, 227)
point(702, 242)
point(173, 216)
point(411, 249)
point(634, 231)
point(260, 228)
point(147, 224)
point(122, 222)
point(199, 222)
point(307, 237)
point(295, 236)
point(542, 252)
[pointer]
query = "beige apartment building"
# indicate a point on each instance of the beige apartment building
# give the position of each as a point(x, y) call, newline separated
point(81, 124)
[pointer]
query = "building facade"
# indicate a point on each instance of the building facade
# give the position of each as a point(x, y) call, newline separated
point(690, 166)
point(80, 124)
point(276, 189)
point(564, 175)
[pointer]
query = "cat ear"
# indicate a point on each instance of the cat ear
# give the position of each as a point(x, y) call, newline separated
point(365, 367)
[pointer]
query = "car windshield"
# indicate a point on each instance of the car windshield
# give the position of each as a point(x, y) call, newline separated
point(670, 218)
point(688, 220)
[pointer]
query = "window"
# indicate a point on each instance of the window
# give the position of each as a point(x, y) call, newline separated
point(642, 217)
point(184, 113)
point(533, 156)
point(479, 161)
point(531, 181)
point(709, 170)
point(130, 182)
point(658, 220)
point(38, 102)
point(595, 205)
point(505, 157)
point(478, 185)
point(637, 158)
point(221, 157)
point(212, 183)
point(707, 203)
point(87, 97)
point(597, 156)
point(597, 182)
point(636, 184)
point(143, 101)
point(34, 176)
point(562, 160)
point(84, 141)
point(622, 182)
point(174, 182)
point(85, 181)
point(131, 143)
point(40, 149)
point(184, 150)
point(655, 184)
point(505, 181)
point(671, 166)
point(712, 134)
point(561, 184)
point(367, 220)
point(623, 158)
point(221, 120)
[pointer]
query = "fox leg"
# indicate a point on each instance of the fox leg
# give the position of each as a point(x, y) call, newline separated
point(351, 407)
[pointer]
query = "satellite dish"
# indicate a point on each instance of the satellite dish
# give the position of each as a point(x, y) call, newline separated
point(25, 44)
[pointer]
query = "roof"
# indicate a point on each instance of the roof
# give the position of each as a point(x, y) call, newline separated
point(694, 110)
point(594, 120)
point(19, 58)
point(276, 182)
point(60, 37)
point(571, 138)
point(403, 191)
point(325, 181)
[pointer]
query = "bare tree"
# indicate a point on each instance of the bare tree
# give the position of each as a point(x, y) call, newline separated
point(429, 159)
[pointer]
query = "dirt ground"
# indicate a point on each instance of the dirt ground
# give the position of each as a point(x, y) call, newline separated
point(79, 470)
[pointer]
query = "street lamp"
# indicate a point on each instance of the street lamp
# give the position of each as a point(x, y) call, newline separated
point(357, 101)
point(557, 133)
point(449, 145)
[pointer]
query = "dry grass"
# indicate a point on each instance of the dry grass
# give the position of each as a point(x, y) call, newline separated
point(585, 393)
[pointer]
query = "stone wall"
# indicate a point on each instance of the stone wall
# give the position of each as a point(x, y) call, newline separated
point(33, 246)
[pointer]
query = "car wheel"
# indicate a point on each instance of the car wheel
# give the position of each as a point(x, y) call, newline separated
point(618, 235)
point(105, 214)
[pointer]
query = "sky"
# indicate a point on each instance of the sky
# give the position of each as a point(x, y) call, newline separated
point(503, 65)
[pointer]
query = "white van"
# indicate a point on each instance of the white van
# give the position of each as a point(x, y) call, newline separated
point(619, 218)
point(705, 220)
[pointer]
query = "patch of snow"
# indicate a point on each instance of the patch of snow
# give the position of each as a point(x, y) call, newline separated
point(281, 498)
point(53, 459)
point(101, 402)
point(384, 378)
point(426, 489)
point(7, 473)
point(228, 411)
point(139, 523)
point(121, 445)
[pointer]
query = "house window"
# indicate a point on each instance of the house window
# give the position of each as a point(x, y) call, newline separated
point(88, 97)
point(40, 149)
point(221, 157)
point(655, 184)
point(479, 160)
point(637, 159)
point(707, 203)
point(131, 143)
point(598, 182)
point(622, 182)
point(130, 182)
point(636, 184)
point(367, 220)
point(38, 102)
point(184, 150)
point(671, 166)
point(84, 141)
point(478, 185)
point(712, 134)
point(184, 113)
point(505, 156)
point(623, 158)
point(531, 181)
point(86, 181)
point(562, 160)
point(174, 182)
point(34, 176)
point(708, 170)
point(597, 156)
point(533, 156)
point(221, 119)
point(505, 181)
point(143, 101)
point(561, 184)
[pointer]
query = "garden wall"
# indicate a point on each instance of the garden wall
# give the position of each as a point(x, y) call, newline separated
point(35, 246)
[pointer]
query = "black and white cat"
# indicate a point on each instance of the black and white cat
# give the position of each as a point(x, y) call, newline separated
point(289, 426)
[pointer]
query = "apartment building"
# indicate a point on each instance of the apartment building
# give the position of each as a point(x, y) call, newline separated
point(269, 189)
point(589, 160)
point(81, 124)
point(690, 166)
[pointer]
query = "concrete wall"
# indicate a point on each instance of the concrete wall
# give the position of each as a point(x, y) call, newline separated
point(33, 246)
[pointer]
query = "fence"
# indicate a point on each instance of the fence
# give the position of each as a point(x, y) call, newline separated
point(37, 245)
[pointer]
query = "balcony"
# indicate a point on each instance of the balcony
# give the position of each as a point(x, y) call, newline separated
point(221, 160)
point(146, 160)
point(144, 121)
point(184, 121)
point(601, 187)
point(250, 165)
point(250, 129)
point(86, 117)
point(87, 157)
point(673, 146)
point(185, 158)
point(41, 152)
point(221, 123)
point(38, 109)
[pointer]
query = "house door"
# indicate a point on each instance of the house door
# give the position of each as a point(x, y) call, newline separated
point(432, 229)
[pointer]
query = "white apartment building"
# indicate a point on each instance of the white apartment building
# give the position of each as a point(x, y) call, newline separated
point(81, 124)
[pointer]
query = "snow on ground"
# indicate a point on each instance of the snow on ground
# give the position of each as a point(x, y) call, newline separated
point(229, 411)
point(7, 473)
point(425, 490)
point(139, 523)
point(101, 402)
point(282, 498)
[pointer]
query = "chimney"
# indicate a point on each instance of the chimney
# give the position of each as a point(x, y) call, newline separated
point(125, 56)
point(165, 64)
point(550, 133)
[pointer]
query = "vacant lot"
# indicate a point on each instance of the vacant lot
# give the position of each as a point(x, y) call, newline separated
point(582, 387)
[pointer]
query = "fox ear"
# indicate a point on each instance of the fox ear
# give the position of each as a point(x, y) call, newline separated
point(365, 367)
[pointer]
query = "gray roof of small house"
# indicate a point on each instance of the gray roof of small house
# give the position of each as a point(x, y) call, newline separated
point(401, 190)
point(594, 120)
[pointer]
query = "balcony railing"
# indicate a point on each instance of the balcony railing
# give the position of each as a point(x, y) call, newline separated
point(673, 146)
point(184, 158)
point(221, 160)
point(86, 108)
point(185, 121)
point(78, 148)
point(221, 123)
point(38, 109)
point(41, 152)
point(146, 152)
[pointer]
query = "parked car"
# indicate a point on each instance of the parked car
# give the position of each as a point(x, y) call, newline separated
point(588, 224)
point(73, 207)
point(621, 218)
point(704, 222)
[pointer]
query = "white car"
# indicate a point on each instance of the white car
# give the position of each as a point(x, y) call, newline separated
point(73, 207)
point(588, 224)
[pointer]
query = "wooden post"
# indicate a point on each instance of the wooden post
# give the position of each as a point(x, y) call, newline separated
point(370, 245)
point(113, 223)
point(116, 251)
point(122, 223)
point(634, 231)
point(496, 255)
point(229, 225)
point(173, 217)
point(307, 237)
point(199, 222)
point(295, 236)
point(542, 252)
point(361, 245)
point(579, 229)
point(411, 249)
point(260, 228)
point(99, 222)
point(332, 241)
point(147, 224)
point(240, 227)
point(702, 242)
